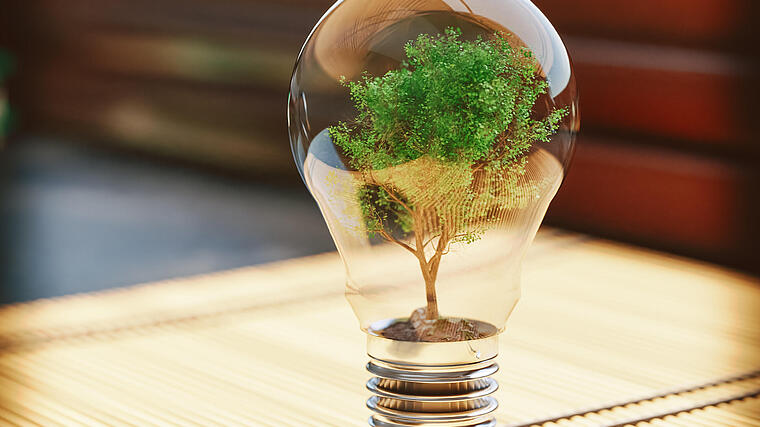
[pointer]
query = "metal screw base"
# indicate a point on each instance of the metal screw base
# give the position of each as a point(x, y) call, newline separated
point(437, 396)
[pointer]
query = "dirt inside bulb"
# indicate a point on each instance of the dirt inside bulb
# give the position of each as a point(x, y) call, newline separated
point(418, 328)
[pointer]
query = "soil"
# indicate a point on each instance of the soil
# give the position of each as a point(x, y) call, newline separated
point(419, 329)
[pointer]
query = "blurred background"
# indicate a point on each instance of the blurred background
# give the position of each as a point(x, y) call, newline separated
point(146, 139)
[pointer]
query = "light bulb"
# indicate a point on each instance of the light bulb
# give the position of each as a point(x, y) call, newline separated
point(433, 135)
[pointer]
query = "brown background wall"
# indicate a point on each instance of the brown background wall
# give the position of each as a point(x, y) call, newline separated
point(668, 156)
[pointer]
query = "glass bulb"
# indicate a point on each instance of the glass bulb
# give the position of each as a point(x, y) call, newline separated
point(433, 135)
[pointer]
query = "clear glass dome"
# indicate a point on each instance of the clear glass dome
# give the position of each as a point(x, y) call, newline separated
point(433, 134)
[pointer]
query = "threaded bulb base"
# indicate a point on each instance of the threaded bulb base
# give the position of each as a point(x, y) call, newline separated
point(407, 395)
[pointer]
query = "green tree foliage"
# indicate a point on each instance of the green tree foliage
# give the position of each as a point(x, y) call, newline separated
point(441, 141)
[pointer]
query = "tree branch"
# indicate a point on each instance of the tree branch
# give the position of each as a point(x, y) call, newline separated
point(392, 239)
point(435, 260)
point(429, 241)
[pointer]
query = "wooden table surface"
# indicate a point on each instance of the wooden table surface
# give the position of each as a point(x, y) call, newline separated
point(605, 334)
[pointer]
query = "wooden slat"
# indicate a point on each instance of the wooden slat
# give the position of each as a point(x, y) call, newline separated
point(600, 324)
point(44, 19)
point(659, 196)
point(694, 97)
point(711, 22)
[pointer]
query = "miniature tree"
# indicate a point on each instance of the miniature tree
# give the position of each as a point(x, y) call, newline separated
point(440, 143)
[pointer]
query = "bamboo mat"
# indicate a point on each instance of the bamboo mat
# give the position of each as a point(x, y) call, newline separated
point(604, 335)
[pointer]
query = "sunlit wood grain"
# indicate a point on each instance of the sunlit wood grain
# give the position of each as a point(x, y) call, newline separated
point(277, 345)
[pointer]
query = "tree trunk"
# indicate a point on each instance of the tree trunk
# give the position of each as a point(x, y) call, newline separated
point(432, 298)
point(431, 313)
point(430, 273)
